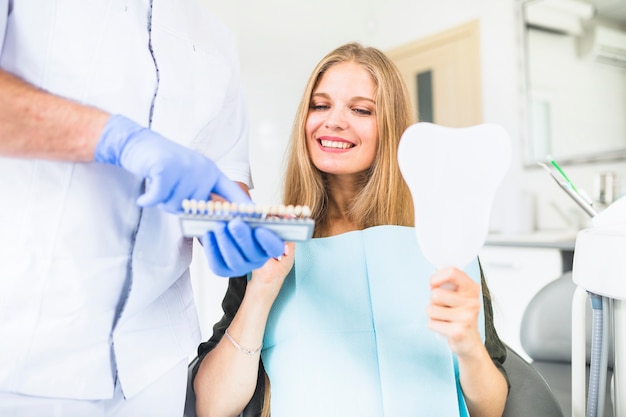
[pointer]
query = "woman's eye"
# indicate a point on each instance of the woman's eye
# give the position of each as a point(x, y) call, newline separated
point(364, 112)
point(319, 107)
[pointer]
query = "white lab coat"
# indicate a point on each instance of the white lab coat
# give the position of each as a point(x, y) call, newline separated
point(78, 258)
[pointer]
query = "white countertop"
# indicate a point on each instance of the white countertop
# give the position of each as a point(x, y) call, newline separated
point(560, 239)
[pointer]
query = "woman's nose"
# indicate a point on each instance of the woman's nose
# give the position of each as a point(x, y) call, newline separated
point(336, 119)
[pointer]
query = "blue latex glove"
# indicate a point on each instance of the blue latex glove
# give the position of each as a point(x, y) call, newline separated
point(172, 171)
point(254, 248)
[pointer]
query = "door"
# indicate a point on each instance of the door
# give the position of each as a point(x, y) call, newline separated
point(442, 73)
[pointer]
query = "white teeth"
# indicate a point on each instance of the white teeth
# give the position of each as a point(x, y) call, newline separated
point(337, 145)
point(223, 210)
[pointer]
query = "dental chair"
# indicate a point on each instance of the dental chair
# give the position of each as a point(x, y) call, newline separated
point(529, 395)
point(546, 336)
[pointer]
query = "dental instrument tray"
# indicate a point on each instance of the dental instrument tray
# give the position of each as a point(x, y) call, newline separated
point(290, 223)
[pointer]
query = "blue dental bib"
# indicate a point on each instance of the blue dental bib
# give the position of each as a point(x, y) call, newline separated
point(348, 335)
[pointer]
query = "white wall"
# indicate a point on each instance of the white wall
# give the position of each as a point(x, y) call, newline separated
point(280, 41)
point(587, 107)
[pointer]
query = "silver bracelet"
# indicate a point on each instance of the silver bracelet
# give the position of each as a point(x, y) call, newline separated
point(241, 348)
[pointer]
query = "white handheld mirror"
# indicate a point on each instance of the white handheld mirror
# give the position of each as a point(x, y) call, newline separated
point(453, 175)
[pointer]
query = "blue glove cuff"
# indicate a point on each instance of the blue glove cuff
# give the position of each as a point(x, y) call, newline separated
point(116, 134)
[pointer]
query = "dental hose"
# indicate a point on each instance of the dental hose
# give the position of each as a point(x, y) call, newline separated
point(607, 309)
point(599, 355)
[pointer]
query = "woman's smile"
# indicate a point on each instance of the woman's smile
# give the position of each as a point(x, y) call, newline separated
point(332, 143)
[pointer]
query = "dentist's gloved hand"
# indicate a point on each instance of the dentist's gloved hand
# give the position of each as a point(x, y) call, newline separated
point(172, 171)
point(254, 248)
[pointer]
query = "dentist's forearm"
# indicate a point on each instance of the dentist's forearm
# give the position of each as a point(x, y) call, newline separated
point(37, 124)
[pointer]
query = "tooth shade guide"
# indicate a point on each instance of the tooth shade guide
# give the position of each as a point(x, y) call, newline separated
point(226, 209)
point(291, 223)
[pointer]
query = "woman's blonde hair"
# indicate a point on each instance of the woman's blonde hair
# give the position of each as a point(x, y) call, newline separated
point(384, 197)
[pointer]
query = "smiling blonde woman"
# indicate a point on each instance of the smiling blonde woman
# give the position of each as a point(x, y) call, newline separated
point(354, 321)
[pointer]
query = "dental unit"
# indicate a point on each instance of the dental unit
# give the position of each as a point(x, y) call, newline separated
point(599, 271)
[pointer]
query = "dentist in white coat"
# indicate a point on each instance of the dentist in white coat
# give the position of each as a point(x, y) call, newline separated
point(111, 113)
